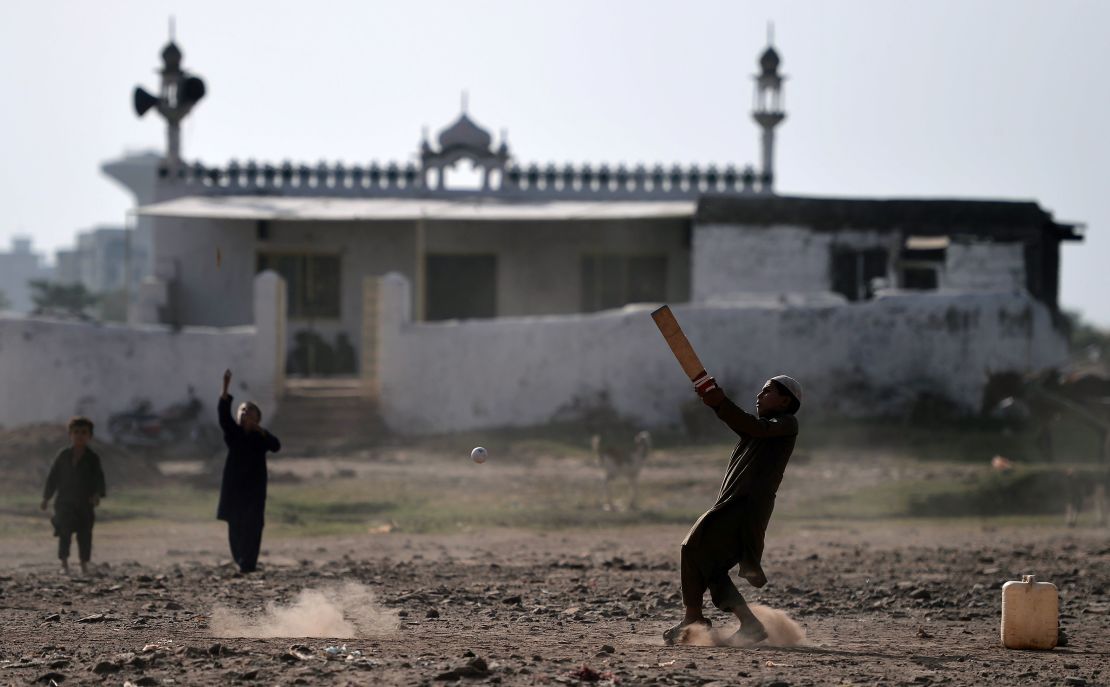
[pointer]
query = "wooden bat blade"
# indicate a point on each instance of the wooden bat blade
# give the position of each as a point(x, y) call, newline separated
point(679, 344)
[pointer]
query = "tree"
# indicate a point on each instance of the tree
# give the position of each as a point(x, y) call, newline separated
point(1088, 341)
point(61, 300)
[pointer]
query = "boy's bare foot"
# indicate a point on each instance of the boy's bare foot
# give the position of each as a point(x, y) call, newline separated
point(85, 568)
point(65, 568)
point(675, 634)
point(749, 634)
point(756, 578)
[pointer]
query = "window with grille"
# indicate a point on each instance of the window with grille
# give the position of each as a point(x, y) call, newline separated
point(312, 283)
point(854, 271)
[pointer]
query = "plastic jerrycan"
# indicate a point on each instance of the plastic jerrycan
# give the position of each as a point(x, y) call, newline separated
point(1030, 614)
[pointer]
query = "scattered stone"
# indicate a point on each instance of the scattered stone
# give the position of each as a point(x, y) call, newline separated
point(584, 673)
point(296, 654)
point(921, 593)
point(249, 675)
point(51, 678)
point(53, 618)
point(432, 613)
point(608, 648)
point(1074, 680)
point(514, 600)
point(475, 667)
point(94, 618)
point(300, 652)
point(105, 667)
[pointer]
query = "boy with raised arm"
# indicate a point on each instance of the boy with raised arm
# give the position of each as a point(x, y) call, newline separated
point(731, 532)
point(243, 489)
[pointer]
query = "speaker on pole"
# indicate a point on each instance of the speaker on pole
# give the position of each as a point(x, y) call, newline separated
point(143, 101)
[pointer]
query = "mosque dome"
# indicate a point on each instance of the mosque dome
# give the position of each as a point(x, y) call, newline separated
point(464, 133)
point(769, 61)
point(171, 54)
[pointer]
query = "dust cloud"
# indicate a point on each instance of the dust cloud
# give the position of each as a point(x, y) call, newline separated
point(781, 631)
point(342, 612)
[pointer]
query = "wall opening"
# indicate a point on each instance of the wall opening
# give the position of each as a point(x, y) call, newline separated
point(464, 175)
point(921, 261)
point(855, 270)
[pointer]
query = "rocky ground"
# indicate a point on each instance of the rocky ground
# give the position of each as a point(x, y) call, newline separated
point(899, 605)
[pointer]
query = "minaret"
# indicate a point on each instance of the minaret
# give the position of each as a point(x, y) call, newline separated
point(179, 91)
point(767, 108)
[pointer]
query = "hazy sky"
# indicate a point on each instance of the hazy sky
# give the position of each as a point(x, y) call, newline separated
point(974, 99)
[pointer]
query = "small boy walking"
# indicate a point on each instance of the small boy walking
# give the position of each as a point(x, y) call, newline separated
point(732, 531)
point(243, 489)
point(78, 480)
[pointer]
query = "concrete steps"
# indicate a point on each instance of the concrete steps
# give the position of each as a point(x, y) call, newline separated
point(326, 416)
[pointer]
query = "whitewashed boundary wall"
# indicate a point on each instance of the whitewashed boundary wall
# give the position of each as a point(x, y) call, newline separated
point(984, 266)
point(867, 359)
point(52, 369)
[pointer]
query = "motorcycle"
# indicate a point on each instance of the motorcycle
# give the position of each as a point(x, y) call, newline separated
point(178, 424)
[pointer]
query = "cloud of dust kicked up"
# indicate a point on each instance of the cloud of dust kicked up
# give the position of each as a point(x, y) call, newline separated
point(781, 631)
point(342, 612)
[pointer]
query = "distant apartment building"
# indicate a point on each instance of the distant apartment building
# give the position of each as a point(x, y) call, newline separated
point(19, 266)
point(103, 261)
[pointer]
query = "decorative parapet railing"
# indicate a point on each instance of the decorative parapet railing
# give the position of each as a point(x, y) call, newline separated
point(528, 181)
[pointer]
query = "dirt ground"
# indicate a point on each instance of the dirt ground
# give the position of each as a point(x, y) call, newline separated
point(882, 601)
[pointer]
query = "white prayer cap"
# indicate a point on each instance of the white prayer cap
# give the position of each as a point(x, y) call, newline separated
point(791, 385)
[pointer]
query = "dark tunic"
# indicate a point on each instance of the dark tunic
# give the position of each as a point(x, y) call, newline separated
point(732, 531)
point(75, 486)
point(243, 489)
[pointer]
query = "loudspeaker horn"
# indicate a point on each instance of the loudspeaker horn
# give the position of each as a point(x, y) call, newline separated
point(143, 101)
point(194, 89)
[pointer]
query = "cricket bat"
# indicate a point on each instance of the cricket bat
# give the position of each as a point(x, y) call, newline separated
point(683, 351)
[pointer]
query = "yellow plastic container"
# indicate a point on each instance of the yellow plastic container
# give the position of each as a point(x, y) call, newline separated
point(1030, 614)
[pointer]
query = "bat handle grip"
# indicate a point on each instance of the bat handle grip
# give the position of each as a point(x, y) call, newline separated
point(703, 383)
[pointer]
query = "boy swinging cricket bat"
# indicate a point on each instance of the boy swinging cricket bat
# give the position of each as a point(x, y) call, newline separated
point(731, 533)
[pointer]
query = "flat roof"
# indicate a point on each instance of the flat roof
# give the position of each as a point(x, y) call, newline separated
point(917, 216)
point(384, 209)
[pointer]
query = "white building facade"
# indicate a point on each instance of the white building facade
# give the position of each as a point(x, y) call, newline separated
point(553, 258)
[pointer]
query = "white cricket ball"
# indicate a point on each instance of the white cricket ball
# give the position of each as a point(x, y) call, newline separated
point(478, 455)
